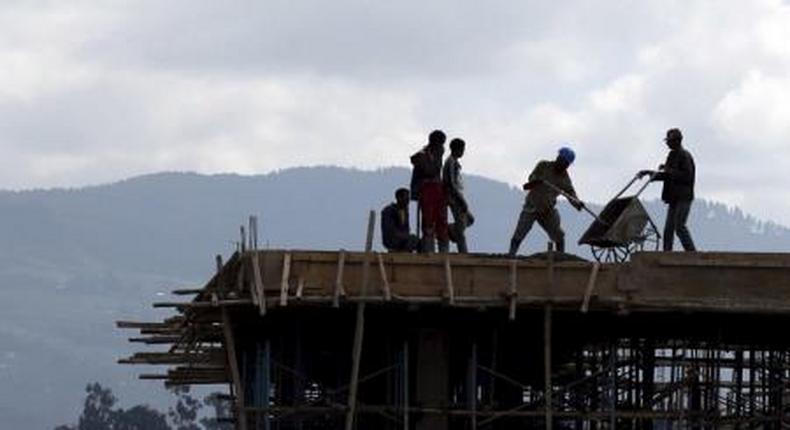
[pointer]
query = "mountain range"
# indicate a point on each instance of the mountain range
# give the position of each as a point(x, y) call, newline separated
point(73, 261)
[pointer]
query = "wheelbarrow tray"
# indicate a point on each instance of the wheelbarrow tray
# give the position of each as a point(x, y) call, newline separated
point(625, 218)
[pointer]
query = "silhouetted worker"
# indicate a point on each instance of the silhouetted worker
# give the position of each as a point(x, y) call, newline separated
point(454, 188)
point(541, 200)
point(426, 182)
point(678, 174)
point(395, 231)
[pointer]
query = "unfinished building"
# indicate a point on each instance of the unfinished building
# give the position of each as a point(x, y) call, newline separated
point(365, 340)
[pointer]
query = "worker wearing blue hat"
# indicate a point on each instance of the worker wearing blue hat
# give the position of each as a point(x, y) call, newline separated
point(547, 180)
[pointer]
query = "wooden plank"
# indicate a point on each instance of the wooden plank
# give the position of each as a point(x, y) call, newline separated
point(187, 292)
point(385, 285)
point(230, 349)
point(724, 263)
point(590, 287)
point(285, 277)
point(513, 290)
point(448, 276)
point(412, 259)
point(258, 282)
point(339, 289)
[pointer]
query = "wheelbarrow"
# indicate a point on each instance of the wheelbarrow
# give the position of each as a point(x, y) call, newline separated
point(623, 227)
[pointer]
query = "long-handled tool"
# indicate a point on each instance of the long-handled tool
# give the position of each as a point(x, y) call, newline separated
point(576, 200)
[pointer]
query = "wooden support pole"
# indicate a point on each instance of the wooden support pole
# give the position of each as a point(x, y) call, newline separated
point(513, 289)
point(590, 287)
point(471, 385)
point(359, 331)
point(258, 280)
point(339, 290)
point(240, 278)
point(547, 369)
point(284, 282)
point(300, 288)
point(448, 275)
point(230, 348)
point(406, 388)
point(385, 285)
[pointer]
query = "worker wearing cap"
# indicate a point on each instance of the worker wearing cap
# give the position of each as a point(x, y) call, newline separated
point(678, 175)
point(541, 200)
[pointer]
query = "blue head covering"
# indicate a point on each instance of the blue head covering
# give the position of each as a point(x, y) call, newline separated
point(567, 154)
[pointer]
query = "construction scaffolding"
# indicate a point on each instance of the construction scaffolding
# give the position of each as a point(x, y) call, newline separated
point(330, 340)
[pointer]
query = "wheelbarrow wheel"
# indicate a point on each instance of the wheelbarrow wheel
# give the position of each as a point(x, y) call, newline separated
point(611, 254)
point(649, 240)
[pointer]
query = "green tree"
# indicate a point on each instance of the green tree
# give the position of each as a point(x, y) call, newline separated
point(185, 413)
point(140, 417)
point(221, 409)
point(97, 413)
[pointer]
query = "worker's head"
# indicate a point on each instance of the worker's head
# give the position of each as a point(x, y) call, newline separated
point(437, 137)
point(674, 138)
point(457, 147)
point(402, 197)
point(565, 157)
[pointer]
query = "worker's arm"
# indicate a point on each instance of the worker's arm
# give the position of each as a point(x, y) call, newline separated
point(574, 201)
point(451, 175)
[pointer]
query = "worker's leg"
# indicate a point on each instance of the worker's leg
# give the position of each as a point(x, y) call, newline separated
point(442, 235)
point(681, 217)
point(459, 218)
point(550, 221)
point(525, 221)
point(430, 196)
point(669, 227)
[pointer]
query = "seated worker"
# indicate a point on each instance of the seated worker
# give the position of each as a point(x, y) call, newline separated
point(544, 182)
point(395, 233)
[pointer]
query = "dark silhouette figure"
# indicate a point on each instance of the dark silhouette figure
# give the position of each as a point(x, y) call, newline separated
point(678, 174)
point(395, 231)
point(426, 182)
point(454, 188)
point(544, 182)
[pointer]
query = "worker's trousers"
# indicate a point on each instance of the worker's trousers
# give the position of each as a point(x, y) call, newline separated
point(677, 215)
point(549, 220)
point(433, 205)
point(460, 222)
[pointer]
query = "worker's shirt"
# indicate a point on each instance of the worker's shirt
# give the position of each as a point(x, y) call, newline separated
point(678, 176)
point(543, 198)
point(427, 167)
point(394, 225)
point(453, 181)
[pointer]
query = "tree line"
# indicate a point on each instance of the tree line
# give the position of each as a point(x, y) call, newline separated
point(101, 412)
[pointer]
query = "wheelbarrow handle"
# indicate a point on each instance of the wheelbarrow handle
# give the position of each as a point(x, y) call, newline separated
point(576, 200)
point(635, 178)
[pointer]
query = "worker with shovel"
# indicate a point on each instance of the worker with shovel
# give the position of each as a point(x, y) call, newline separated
point(548, 180)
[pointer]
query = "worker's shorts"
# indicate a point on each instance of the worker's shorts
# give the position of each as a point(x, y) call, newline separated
point(433, 205)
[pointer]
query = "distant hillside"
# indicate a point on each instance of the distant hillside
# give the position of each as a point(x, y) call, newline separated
point(73, 261)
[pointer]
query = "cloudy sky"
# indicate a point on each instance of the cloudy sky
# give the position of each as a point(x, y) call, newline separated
point(94, 91)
